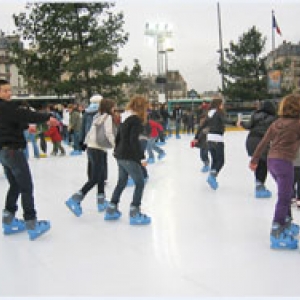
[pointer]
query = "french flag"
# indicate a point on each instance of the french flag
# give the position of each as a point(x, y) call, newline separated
point(275, 26)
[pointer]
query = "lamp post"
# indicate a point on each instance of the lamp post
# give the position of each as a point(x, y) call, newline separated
point(160, 32)
point(165, 52)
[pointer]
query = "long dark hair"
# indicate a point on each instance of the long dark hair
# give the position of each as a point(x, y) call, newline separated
point(106, 106)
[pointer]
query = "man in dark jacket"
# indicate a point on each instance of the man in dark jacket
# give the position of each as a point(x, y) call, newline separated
point(13, 121)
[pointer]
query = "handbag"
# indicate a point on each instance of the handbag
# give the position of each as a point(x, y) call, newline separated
point(101, 138)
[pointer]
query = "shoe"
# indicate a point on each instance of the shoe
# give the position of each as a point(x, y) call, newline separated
point(14, 226)
point(112, 212)
point(161, 155)
point(291, 228)
point(102, 203)
point(130, 182)
point(280, 239)
point(284, 241)
point(262, 192)
point(160, 143)
point(205, 169)
point(10, 224)
point(298, 203)
point(137, 218)
point(73, 204)
point(151, 160)
point(36, 228)
point(178, 137)
point(212, 181)
point(75, 152)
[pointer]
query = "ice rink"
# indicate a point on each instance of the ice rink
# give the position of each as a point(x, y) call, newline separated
point(201, 242)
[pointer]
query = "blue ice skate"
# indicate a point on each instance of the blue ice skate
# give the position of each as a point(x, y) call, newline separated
point(140, 219)
point(205, 169)
point(151, 160)
point(112, 213)
point(102, 203)
point(212, 181)
point(75, 152)
point(283, 241)
point(178, 137)
point(160, 143)
point(102, 206)
point(292, 229)
point(161, 155)
point(14, 227)
point(130, 182)
point(37, 228)
point(262, 192)
point(74, 207)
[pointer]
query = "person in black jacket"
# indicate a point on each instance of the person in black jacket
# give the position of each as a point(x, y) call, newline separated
point(13, 121)
point(130, 157)
point(215, 123)
point(258, 124)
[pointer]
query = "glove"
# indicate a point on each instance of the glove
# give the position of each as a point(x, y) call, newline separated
point(193, 143)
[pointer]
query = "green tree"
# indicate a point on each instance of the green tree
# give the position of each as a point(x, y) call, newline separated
point(244, 70)
point(71, 48)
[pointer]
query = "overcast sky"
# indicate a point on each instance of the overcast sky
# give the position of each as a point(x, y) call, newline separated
point(195, 26)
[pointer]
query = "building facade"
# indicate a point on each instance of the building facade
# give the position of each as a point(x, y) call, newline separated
point(287, 55)
point(8, 70)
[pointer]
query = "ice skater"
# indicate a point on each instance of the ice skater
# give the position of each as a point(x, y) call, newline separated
point(283, 138)
point(130, 157)
point(258, 124)
point(13, 121)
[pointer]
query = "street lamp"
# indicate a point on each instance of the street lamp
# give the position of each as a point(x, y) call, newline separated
point(161, 32)
point(165, 52)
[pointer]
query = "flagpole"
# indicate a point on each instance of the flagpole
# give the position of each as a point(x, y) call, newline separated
point(273, 33)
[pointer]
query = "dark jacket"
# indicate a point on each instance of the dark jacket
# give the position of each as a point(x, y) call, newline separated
point(127, 140)
point(13, 121)
point(216, 121)
point(258, 124)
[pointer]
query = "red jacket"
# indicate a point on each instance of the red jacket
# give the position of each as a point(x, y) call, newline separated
point(155, 128)
point(54, 134)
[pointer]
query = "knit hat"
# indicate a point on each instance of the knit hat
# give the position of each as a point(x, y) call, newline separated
point(96, 99)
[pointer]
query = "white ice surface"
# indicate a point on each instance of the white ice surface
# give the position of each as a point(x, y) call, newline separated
point(201, 242)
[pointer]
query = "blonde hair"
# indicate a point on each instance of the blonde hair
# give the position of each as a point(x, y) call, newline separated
point(139, 105)
point(289, 106)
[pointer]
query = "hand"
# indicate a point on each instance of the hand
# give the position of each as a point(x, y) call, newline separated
point(144, 163)
point(252, 166)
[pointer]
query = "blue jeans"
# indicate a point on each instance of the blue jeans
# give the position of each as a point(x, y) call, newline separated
point(177, 127)
point(18, 174)
point(97, 170)
point(152, 146)
point(134, 170)
point(31, 137)
point(76, 141)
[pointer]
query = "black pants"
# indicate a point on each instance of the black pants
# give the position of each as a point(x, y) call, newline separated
point(20, 182)
point(216, 150)
point(261, 171)
point(297, 182)
point(96, 159)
